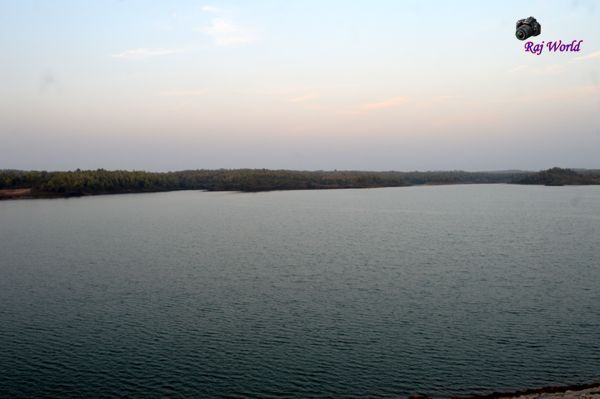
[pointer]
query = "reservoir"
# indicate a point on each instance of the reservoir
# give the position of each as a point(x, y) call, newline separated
point(441, 290)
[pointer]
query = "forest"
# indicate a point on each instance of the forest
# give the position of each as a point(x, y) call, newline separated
point(561, 177)
point(40, 184)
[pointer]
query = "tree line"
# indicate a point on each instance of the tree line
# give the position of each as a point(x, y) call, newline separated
point(101, 181)
point(561, 177)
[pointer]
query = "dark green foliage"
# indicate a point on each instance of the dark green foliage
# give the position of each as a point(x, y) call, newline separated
point(560, 177)
point(103, 182)
point(90, 182)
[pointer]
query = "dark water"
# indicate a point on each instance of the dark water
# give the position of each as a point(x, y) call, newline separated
point(351, 293)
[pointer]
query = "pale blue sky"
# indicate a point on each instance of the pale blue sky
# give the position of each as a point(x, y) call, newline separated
point(379, 85)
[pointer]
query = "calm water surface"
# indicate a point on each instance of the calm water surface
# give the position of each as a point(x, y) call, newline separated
point(347, 293)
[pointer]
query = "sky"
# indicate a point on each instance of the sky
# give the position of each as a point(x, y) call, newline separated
point(296, 84)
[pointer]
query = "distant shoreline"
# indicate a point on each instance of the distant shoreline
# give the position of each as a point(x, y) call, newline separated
point(26, 193)
point(576, 391)
point(16, 184)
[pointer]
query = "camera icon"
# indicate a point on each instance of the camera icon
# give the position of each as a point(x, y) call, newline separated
point(528, 27)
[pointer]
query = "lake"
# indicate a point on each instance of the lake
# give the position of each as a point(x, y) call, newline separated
point(443, 290)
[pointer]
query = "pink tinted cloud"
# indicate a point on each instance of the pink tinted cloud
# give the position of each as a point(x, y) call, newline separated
point(389, 103)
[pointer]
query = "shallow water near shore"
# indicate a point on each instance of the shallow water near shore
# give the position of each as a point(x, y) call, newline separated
point(444, 290)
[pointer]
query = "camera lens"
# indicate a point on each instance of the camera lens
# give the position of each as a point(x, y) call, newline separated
point(523, 32)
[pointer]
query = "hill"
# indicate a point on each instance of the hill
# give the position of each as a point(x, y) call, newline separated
point(560, 177)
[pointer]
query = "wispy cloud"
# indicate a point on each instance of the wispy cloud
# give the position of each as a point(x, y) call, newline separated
point(225, 32)
point(141, 53)
point(389, 103)
point(366, 108)
point(595, 54)
point(211, 9)
point(547, 70)
point(183, 93)
point(568, 94)
point(517, 69)
point(304, 98)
